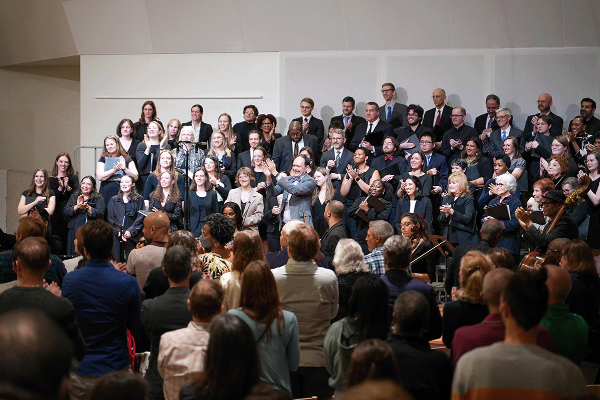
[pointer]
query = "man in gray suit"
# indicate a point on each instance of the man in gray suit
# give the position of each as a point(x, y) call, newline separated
point(297, 190)
point(392, 112)
point(497, 137)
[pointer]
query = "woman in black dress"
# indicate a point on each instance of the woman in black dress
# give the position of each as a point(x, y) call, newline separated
point(148, 115)
point(413, 201)
point(322, 195)
point(38, 195)
point(84, 205)
point(363, 213)
point(119, 165)
point(203, 201)
point(124, 217)
point(217, 179)
point(415, 228)
point(418, 166)
point(64, 182)
point(266, 124)
point(148, 151)
point(166, 198)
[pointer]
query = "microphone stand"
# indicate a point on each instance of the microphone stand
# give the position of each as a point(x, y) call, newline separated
point(186, 212)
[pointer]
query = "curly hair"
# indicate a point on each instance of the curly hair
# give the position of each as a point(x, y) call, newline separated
point(220, 227)
point(562, 161)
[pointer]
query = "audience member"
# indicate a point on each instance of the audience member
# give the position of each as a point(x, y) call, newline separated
point(334, 216)
point(425, 373)
point(501, 258)
point(491, 329)
point(102, 315)
point(397, 252)
point(182, 352)
point(243, 128)
point(142, 261)
point(366, 319)
point(311, 293)
point(231, 363)
point(393, 113)
point(36, 357)
point(517, 367)
point(372, 360)
point(218, 230)
point(310, 124)
point(438, 118)
point(569, 331)
point(378, 233)
point(372, 389)
point(275, 330)
point(468, 308)
point(348, 119)
point(31, 261)
point(119, 385)
point(167, 312)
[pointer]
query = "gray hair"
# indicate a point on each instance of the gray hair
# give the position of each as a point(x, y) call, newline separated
point(189, 130)
point(509, 181)
point(290, 226)
point(505, 109)
point(571, 181)
point(349, 258)
point(340, 131)
point(381, 229)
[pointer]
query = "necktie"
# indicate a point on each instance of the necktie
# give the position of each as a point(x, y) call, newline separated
point(438, 120)
point(295, 150)
point(303, 129)
point(428, 159)
point(490, 122)
point(389, 113)
point(346, 119)
point(389, 158)
point(503, 136)
point(338, 154)
point(370, 128)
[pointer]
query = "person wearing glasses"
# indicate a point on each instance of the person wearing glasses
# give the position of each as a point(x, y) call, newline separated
point(392, 112)
point(565, 227)
point(493, 143)
point(487, 122)
point(243, 129)
point(265, 124)
point(288, 147)
point(438, 118)
point(455, 139)
point(413, 127)
point(544, 102)
point(436, 167)
point(311, 124)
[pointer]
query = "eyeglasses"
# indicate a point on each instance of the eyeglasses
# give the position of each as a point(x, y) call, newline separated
point(267, 123)
point(437, 96)
point(501, 116)
point(249, 112)
point(425, 142)
point(546, 203)
point(385, 90)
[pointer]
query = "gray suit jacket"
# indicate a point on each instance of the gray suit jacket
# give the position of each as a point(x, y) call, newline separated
point(496, 139)
point(301, 197)
point(253, 212)
point(398, 114)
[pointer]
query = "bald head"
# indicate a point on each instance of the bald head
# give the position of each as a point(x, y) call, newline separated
point(558, 283)
point(156, 226)
point(494, 283)
point(295, 125)
point(544, 102)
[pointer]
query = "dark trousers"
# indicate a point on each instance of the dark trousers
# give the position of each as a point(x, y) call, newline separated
point(311, 381)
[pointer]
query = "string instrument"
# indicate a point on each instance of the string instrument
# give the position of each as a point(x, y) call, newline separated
point(535, 259)
point(427, 252)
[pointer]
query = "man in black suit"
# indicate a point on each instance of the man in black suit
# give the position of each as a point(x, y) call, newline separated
point(348, 119)
point(587, 110)
point(334, 215)
point(203, 130)
point(288, 147)
point(456, 138)
point(337, 159)
point(242, 129)
point(544, 103)
point(391, 156)
point(414, 127)
point(167, 312)
point(437, 168)
point(486, 123)
point(245, 158)
point(392, 112)
point(438, 118)
point(497, 137)
point(309, 123)
point(372, 124)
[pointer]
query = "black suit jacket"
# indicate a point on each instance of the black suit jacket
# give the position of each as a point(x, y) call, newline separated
point(345, 159)
point(205, 131)
point(438, 162)
point(445, 121)
point(361, 132)
point(355, 119)
point(315, 128)
point(283, 153)
point(243, 129)
point(244, 160)
point(422, 208)
point(481, 123)
point(379, 163)
point(330, 239)
point(399, 112)
point(556, 130)
point(163, 314)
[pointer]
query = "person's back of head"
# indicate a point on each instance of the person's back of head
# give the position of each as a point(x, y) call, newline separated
point(336, 208)
point(381, 229)
point(491, 230)
point(376, 390)
point(397, 252)
point(558, 283)
point(36, 357)
point(372, 359)
point(119, 385)
point(30, 227)
point(473, 267)
point(501, 258)
point(368, 306)
point(158, 223)
point(555, 251)
point(526, 297)
point(177, 263)
point(97, 240)
point(32, 254)
point(231, 363)
point(494, 283)
point(206, 300)
point(411, 314)
point(348, 257)
point(247, 247)
point(303, 243)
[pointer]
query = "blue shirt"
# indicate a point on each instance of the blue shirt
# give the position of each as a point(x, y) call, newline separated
point(375, 261)
point(55, 273)
point(106, 303)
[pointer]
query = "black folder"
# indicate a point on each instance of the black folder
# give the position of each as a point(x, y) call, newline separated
point(498, 211)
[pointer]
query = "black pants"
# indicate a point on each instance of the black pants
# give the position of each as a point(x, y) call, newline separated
point(311, 381)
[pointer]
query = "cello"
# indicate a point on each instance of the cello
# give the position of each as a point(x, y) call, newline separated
point(535, 259)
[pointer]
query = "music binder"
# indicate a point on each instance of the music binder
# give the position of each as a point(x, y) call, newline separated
point(498, 211)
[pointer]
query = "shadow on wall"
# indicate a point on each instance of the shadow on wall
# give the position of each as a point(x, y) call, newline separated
point(518, 118)
point(360, 108)
point(572, 112)
point(326, 114)
point(282, 126)
point(401, 95)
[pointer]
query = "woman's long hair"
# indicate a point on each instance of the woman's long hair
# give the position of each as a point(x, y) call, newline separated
point(174, 196)
point(133, 194)
point(368, 307)
point(329, 191)
point(247, 247)
point(231, 364)
point(259, 298)
point(70, 170)
point(373, 359)
point(45, 188)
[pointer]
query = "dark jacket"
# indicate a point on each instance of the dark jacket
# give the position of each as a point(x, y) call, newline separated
point(116, 214)
point(422, 208)
point(463, 219)
point(330, 239)
point(211, 206)
point(565, 228)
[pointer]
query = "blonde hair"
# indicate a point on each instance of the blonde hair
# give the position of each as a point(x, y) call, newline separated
point(463, 184)
point(473, 267)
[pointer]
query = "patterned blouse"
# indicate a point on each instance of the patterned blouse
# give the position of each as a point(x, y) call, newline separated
point(214, 264)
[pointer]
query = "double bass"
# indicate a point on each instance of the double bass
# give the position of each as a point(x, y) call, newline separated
point(535, 259)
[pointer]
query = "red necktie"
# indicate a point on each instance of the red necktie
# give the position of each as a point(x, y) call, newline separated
point(439, 117)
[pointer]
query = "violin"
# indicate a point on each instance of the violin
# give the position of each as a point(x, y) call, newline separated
point(535, 259)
